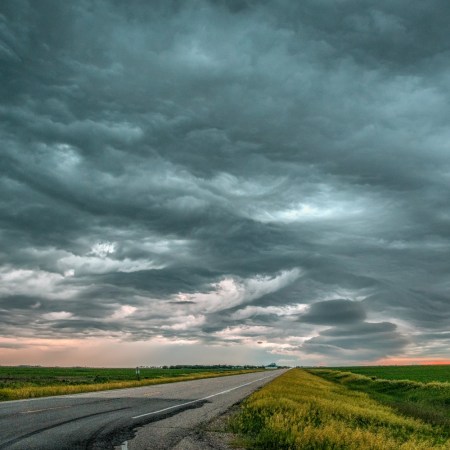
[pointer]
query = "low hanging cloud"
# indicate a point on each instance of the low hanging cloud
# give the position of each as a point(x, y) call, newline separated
point(348, 335)
point(334, 312)
point(267, 176)
point(374, 340)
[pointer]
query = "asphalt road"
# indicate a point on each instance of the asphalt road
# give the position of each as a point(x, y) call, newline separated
point(155, 417)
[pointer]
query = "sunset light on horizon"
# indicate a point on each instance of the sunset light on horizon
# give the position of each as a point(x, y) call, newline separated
point(224, 182)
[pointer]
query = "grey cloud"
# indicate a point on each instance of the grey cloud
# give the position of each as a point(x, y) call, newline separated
point(182, 303)
point(423, 309)
point(334, 312)
point(364, 328)
point(11, 345)
point(365, 341)
point(226, 142)
point(20, 302)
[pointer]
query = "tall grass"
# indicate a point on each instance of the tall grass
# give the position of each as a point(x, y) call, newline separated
point(26, 391)
point(299, 410)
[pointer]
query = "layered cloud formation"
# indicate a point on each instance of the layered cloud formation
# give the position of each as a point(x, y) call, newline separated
point(233, 181)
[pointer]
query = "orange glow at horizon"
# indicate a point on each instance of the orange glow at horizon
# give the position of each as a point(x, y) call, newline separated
point(114, 352)
point(423, 361)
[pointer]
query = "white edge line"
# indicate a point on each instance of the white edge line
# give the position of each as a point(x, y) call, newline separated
point(200, 399)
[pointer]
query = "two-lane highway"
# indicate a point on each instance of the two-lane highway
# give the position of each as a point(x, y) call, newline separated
point(153, 417)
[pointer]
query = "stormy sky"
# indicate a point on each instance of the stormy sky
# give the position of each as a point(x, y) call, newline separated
point(224, 182)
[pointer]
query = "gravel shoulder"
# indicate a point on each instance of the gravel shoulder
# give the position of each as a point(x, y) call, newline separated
point(214, 435)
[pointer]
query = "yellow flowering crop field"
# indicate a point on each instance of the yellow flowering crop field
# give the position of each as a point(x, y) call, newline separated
point(300, 410)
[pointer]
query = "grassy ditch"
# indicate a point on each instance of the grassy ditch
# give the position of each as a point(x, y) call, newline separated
point(429, 402)
point(299, 410)
point(44, 382)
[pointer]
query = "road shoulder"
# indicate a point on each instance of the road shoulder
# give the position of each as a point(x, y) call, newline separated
point(213, 435)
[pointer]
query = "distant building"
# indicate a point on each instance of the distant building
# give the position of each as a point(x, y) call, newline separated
point(271, 366)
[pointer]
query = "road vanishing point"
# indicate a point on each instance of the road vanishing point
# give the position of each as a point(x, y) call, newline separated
point(165, 416)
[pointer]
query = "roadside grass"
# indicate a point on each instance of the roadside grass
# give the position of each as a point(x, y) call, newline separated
point(429, 402)
point(299, 410)
point(28, 390)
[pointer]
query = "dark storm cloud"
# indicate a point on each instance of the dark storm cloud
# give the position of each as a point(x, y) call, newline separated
point(227, 171)
point(334, 312)
point(367, 340)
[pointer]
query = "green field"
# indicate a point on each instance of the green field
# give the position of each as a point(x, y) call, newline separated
point(27, 382)
point(302, 410)
point(424, 374)
point(45, 376)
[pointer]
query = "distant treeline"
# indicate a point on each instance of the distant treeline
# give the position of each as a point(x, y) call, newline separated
point(213, 366)
point(222, 367)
